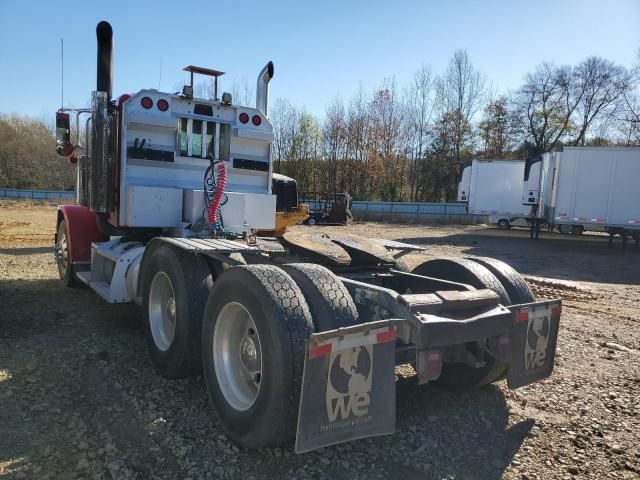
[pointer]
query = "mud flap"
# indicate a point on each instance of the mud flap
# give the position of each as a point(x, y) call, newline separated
point(533, 340)
point(348, 385)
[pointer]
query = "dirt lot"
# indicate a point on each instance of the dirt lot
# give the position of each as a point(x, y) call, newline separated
point(79, 398)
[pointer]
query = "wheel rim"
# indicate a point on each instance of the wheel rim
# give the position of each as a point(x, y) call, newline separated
point(237, 356)
point(62, 253)
point(162, 311)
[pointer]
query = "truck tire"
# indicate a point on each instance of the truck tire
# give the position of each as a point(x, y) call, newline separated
point(402, 265)
point(175, 287)
point(461, 376)
point(503, 224)
point(329, 301)
point(564, 229)
point(256, 324)
point(65, 267)
point(512, 281)
point(463, 270)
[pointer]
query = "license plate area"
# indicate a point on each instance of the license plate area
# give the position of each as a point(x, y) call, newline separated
point(534, 338)
point(348, 385)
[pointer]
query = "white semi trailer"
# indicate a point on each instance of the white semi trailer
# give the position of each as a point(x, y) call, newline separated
point(586, 188)
point(494, 188)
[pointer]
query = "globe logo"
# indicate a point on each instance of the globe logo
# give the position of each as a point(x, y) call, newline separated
point(349, 382)
point(537, 340)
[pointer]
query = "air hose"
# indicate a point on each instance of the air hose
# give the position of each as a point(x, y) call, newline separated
point(218, 192)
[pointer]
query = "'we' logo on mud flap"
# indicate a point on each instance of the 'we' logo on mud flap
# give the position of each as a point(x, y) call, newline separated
point(535, 350)
point(349, 383)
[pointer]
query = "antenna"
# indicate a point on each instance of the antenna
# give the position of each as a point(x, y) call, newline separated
point(62, 73)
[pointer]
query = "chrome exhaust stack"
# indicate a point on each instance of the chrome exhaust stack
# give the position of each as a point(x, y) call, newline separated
point(262, 88)
point(104, 75)
point(100, 172)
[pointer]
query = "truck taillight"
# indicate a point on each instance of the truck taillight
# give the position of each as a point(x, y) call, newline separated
point(163, 105)
point(244, 118)
point(146, 102)
point(256, 120)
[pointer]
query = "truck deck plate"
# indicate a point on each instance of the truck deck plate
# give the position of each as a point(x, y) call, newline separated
point(395, 245)
point(209, 244)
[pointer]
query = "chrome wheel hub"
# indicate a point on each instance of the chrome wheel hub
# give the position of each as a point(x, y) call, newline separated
point(237, 356)
point(62, 252)
point(162, 311)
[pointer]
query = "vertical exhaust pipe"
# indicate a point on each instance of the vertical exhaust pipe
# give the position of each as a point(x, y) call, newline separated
point(104, 76)
point(262, 88)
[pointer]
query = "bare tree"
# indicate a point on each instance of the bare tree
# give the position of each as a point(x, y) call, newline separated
point(462, 91)
point(600, 87)
point(462, 87)
point(335, 137)
point(419, 105)
point(28, 158)
point(495, 129)
point(543, 106)
point(285, 124)
point(243, 93)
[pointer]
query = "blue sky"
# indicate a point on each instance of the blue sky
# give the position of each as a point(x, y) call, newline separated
point(320, 49)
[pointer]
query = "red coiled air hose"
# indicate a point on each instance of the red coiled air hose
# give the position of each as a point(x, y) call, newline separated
point(221, 182)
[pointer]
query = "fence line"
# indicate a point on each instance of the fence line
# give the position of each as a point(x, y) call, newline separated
point(410, 208)
point(416, 212)
point(362, 209)
point(36, 194)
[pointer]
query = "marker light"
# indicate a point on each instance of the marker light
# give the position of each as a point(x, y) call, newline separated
point(163, 105)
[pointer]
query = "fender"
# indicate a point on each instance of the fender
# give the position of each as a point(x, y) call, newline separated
point(82, 229)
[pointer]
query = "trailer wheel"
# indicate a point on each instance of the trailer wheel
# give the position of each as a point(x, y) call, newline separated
point(65, 267)
point(504, 224)
point(329, 300)
point(461, 376)
point(463, 270)
point(565, 229)
point(175, 286)
point(512, 281)
point(256, 324)
point(577, 230)
point(311, 221)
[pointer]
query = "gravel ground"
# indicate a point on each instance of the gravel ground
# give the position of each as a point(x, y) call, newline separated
point(79, 398)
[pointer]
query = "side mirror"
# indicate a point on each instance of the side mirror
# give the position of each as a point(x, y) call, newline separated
point(64, 147)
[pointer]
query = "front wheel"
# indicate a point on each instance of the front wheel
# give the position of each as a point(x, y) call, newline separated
point(256, 324)
point(65, 267)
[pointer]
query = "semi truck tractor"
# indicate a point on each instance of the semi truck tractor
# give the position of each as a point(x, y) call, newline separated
point(493, 188)
point(297, 337)
point(586, 188)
